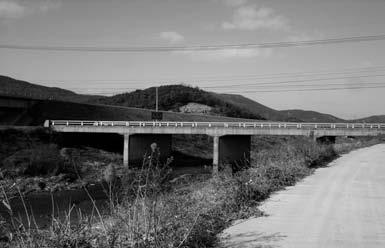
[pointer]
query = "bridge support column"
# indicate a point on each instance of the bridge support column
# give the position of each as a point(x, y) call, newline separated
point(126, 150)
point(139, 145)
point(312, 136)
point(231, 150)
point(215, 155)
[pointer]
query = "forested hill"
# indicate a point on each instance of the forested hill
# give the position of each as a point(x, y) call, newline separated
point(172, 97)
point(18, 88)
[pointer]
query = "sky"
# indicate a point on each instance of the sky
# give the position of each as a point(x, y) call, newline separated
point(276, 77)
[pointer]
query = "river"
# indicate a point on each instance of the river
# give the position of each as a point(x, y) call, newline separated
point(40, 205)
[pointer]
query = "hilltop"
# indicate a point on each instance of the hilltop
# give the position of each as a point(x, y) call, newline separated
point(173, 97)
point(13, 87)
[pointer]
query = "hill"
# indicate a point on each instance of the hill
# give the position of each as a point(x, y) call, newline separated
point(54, 110)
point(172, 97)
point(372, 119)
point(14, 87)
point(253, 106)
point(309, 116)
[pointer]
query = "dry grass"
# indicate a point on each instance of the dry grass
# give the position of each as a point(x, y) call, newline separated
point(151, 210)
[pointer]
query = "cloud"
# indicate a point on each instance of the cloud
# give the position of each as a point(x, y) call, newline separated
point(250, 17)
point(234, 2)
point(227, 54)
point(46, 5)
point(11, 10)
point(172, 37)
point(15, 9)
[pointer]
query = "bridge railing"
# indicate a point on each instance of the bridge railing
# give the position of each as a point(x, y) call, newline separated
point(267, 125)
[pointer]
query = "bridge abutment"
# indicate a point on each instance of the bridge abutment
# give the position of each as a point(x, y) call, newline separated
point(136, 146)
point(231, 150)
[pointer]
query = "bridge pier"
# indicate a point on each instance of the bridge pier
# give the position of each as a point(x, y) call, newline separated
point(232, 150)
point(215, 154)
point(126, 148)
point(136, 146)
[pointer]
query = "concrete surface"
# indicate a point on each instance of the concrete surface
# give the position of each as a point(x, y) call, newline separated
point(340, 206)
point(219, 131)
point(219, 128)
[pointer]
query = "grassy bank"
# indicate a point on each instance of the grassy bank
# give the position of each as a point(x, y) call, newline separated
point(150, 209)
point(34, 161)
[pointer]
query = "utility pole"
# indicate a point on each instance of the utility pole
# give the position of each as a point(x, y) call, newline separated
point(157, 99)
point(156, 115)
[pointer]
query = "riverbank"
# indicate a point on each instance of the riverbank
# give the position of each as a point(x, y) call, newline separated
point(191, 211)
point(36, 160)
point(46, 168)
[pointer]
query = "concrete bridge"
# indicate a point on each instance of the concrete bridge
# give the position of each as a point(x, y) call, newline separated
point(231, 140)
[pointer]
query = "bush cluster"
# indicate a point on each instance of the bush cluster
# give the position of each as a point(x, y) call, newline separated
point(40, 160)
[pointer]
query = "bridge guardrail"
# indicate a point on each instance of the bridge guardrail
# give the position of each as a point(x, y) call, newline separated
point(267, 125)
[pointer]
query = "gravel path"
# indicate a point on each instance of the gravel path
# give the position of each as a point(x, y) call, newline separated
point(341, 206)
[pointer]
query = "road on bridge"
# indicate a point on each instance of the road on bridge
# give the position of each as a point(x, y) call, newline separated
point(341, 206)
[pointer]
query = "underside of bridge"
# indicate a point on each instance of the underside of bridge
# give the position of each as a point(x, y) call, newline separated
point(326, 140)
point(231, 151)
point(111, 142)
point(137, 146)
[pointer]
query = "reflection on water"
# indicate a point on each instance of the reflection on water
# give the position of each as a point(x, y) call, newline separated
point(40, 205)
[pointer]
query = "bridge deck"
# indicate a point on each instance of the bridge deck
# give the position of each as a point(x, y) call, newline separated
point(219, 128)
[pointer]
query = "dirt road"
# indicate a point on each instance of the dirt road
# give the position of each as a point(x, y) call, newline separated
point(339, 206)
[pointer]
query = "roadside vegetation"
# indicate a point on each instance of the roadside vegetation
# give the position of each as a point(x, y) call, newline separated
point(147, 207)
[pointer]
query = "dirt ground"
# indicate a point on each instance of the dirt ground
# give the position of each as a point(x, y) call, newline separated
point(338, 206)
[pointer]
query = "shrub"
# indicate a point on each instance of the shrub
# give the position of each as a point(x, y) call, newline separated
point(40, 160)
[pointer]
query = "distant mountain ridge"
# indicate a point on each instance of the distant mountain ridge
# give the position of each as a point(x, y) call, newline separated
point(253, 106)
point(171, 98)
point(310, 116)
point(18, 88)
point(372, 119)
